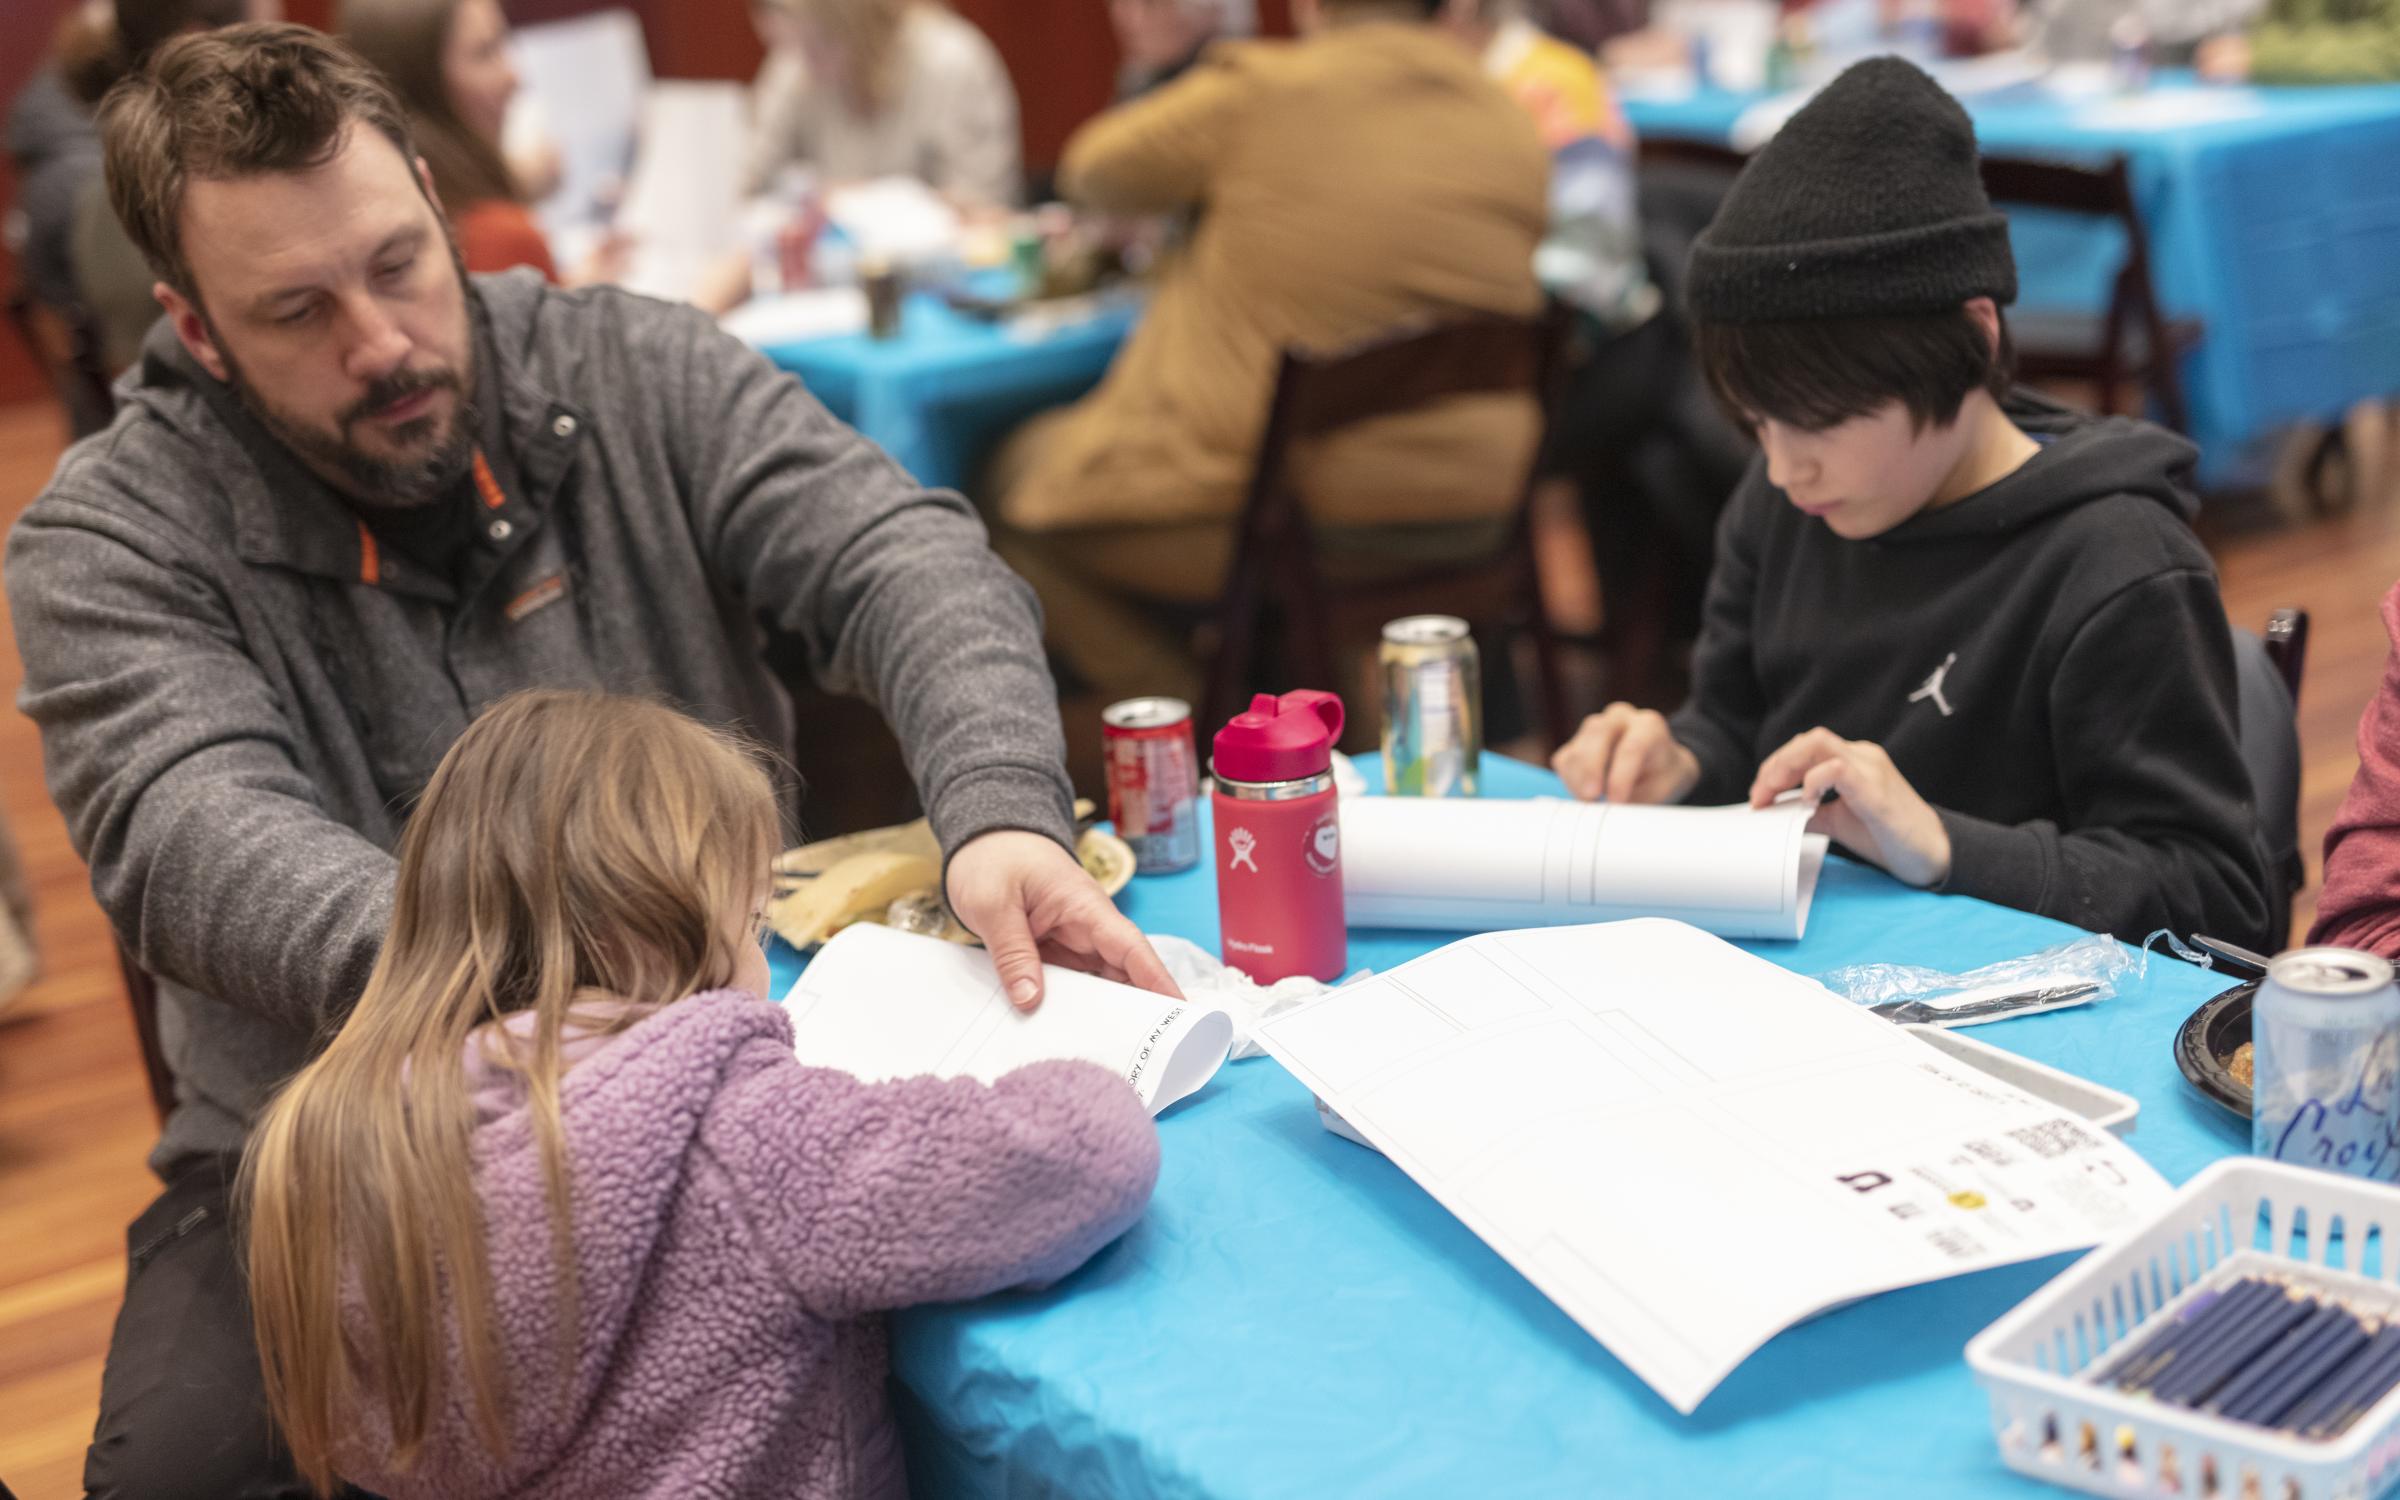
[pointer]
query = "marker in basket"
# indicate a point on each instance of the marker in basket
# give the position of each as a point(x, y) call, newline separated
point(2235, 1320)
point(2294, 1351)
point(2232, 1373)
point(2273, 1397)
point(2256, 1332)
point(2191, 1329)
point(2351, 1389)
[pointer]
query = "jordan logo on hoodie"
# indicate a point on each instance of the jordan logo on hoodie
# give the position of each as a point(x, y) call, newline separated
point(1932, 685)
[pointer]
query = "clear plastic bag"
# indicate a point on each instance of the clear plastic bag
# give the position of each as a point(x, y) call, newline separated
point(2074, 973)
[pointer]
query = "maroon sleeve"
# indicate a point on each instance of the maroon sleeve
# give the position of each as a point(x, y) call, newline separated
point(2360, 905)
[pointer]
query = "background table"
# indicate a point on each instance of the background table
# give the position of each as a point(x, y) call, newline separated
point(2277, 226)
point(950, 386)
point(1294, 1317)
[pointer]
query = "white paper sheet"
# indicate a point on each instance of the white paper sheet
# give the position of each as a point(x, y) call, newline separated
point(685, 195)
point(880, 1003)
point(1469, 864)
point(587, 76)
point(1689, 1149)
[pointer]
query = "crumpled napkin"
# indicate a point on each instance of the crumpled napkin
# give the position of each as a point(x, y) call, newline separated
point(1208, 979)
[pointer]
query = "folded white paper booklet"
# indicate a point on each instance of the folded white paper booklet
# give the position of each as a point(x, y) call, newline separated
point(880, 1003)
point(1689, 1149)
point(1472, 864)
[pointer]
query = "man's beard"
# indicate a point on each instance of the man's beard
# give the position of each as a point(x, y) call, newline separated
point(381, 483)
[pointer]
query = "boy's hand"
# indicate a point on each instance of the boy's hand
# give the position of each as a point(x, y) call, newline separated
point(1879, 815)
point(1031, 903)
point(1626, 754)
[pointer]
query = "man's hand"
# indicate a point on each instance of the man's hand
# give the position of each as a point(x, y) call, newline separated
point(1031, 903)
point(1879, 815)
point(1626, 754)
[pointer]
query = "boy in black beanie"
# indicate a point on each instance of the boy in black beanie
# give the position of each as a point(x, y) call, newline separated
point(1981, 619)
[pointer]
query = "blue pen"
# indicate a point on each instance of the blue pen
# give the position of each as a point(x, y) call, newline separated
point(2241, 1331)
point(2269, 1403)
point(2371, 1370)
point(2359, 1397)
point(2178, 1331)
point(2302, 1343)
point(2259, 1333)
point(2208, 1321)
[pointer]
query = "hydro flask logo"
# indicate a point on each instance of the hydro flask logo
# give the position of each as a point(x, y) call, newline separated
point(1244, 845)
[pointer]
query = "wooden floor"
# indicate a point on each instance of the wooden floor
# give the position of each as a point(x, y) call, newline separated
point(75, 1119)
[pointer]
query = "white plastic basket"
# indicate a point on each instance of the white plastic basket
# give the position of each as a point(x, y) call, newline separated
point(2240, 1217)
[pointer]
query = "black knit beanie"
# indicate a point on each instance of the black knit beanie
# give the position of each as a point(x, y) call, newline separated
point(1867, 203)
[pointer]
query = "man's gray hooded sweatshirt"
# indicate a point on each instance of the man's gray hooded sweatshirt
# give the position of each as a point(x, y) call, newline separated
point(241, 692)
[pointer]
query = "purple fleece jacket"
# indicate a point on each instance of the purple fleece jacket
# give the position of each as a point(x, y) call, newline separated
point(740, 1224)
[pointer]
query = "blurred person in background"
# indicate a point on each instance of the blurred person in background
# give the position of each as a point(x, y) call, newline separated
point(1636, 426)
point(110, 275)
point(1360, 181)
point(2089, 30)
point(2311, 41)
point(18, 963)
point(56, 153)
point(1159, 40)
point(448, 60)
point(858, 89)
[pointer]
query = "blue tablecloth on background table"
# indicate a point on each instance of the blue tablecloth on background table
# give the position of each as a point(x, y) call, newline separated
point(2278, 228)
point(938, 396)
point(1295, 1317)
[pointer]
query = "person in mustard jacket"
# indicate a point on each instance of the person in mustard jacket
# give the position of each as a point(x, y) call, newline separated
point(1363, 180)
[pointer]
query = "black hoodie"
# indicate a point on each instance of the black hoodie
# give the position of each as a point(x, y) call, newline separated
point(2047, 662)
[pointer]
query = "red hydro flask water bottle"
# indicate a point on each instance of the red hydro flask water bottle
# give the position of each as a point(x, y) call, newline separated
point(1279, 838)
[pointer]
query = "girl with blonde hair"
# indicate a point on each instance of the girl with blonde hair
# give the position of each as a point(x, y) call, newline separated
point(857, 89)
point(559, 1213)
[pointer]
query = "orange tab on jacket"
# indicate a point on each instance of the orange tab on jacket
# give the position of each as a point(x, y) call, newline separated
point(549, 591)
point(486, 485)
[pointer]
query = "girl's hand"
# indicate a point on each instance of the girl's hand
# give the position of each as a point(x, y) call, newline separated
point(1878, 816)
point(1031, 903)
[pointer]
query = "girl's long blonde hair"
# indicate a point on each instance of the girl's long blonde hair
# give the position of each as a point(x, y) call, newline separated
point(570, 848)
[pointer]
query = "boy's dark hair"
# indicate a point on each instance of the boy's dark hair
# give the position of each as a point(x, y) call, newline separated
point(236, 102)
point(1817, 373)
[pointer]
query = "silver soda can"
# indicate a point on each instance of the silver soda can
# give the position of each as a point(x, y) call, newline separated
point(1153, 782)
point(2325, 1063)
point(1432, 708)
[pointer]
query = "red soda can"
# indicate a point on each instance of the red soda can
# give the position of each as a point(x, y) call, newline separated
point(1154, 782)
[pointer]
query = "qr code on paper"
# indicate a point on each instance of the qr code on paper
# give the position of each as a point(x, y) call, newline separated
point(2054, 1138)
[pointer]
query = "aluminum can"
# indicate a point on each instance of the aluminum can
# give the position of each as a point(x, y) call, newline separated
point(2325, 1063)
point(1153, 782)
point(1432, 708)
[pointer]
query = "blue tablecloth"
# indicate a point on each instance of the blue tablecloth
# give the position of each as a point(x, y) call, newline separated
point(2277, 226)
point(937, 397)
point(1294, 1317)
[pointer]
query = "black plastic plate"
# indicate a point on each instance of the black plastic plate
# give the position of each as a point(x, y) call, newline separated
point(2205, 1045)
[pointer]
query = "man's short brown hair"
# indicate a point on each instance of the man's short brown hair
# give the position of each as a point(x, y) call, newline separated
point(236, 102)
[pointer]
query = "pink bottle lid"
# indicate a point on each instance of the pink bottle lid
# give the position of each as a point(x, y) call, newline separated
point(1279, 739)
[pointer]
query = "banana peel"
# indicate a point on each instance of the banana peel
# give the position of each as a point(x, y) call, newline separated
point(858, 877)
point(851, 889)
